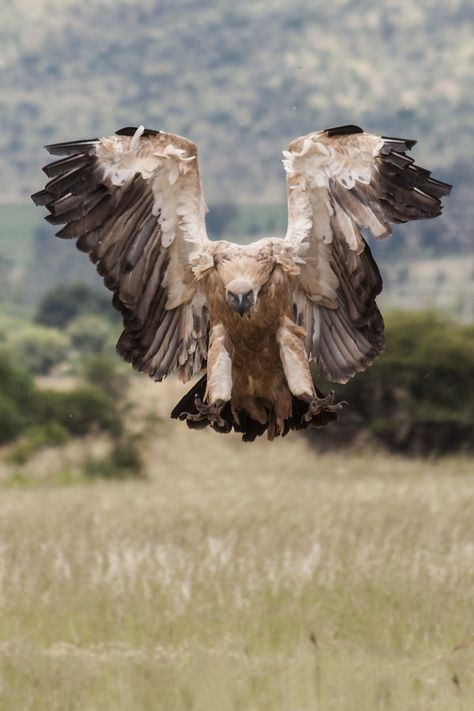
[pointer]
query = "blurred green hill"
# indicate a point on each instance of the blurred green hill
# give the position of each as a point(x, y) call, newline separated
point(242, 79)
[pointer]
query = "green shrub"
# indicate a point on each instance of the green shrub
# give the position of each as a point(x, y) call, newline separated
point(81, 411)
point(49, 416)
point(417, 397)
point(8, 323)
point(15, 384)
point(37, 437)
point(107, 372)
point(12, 422)
point(36, 348)
point(91, 334)
point(63, 304)
point(123, 462)
point(16, 389)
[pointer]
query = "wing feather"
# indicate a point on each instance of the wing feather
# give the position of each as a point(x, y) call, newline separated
point(341, 181)
point(134, 203)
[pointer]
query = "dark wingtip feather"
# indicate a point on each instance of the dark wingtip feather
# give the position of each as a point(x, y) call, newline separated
point(42, 197)
point(54, 219)
point(343, 130)
point(59, 167)
point(131, 130)
point(70, 148)
point(403, 144)
point(438, 187)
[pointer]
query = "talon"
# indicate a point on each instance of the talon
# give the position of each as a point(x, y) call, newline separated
point(317, 404)
point(211, 412)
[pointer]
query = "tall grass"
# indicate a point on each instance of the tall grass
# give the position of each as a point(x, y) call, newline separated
point(241, 577)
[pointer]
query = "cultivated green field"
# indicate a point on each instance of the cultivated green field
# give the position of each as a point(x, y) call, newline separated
point(251, 577)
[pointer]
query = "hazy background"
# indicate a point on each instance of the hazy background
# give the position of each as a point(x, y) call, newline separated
point(144, 566)
point(241, 80)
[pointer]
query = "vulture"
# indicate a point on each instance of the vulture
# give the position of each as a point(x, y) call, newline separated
point(253, 316)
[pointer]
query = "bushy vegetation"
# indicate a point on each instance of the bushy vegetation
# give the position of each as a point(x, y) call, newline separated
point(84, 409)
point(124, 461)
point(81, 410)
point(107, 372)
point(69, 339)
point(417, 397)
point(36, 437)
point(12, 422)
point(16, 388)
point(34, 417)
point(37, 349)
point(66, 303)
point(91, 334)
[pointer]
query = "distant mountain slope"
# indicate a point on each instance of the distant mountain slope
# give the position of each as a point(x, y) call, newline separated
point(241, 79)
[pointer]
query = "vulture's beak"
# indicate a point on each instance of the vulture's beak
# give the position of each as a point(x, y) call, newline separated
point(241, 303)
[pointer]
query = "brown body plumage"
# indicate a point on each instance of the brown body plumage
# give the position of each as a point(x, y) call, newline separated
point(253, 315)
point(259, 386)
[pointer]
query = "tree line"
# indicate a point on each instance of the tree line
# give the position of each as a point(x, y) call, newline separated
point(415, 399)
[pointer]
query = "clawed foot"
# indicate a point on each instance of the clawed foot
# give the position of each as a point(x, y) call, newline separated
point(211, 412)
point(322, 404)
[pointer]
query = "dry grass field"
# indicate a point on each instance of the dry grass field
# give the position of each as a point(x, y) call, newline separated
point(261, 577)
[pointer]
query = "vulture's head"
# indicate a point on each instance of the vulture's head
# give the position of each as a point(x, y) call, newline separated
point(241, 295)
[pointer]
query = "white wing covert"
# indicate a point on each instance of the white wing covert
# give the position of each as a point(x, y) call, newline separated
point(340, 181)
point(134, 202)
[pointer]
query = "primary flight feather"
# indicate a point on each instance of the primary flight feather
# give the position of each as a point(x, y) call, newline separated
point(252, 315)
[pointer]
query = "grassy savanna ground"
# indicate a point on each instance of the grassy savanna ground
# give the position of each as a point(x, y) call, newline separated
point(234, 576)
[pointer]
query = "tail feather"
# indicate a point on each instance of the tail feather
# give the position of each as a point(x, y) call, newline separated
point(186, 404)
point(249, 428)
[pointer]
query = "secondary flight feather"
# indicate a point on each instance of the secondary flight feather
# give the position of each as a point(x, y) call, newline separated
point(251, 316)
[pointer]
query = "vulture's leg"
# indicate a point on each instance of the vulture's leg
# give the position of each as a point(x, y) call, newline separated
point(298, 375)
point(295, 361)
point(219, 379)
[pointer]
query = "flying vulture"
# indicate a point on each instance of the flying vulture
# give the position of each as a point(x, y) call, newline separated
point(251, 316)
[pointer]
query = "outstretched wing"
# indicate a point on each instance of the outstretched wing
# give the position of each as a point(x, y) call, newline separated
point(134, 202)
point(339, 181)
